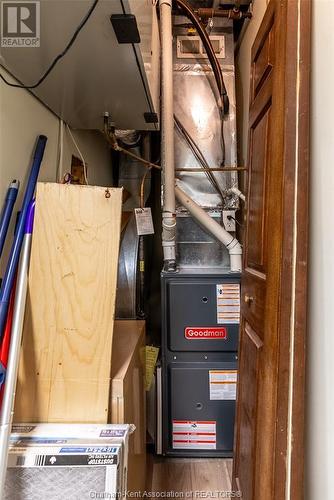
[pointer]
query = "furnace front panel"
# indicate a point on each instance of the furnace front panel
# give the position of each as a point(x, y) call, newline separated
point(201, 314)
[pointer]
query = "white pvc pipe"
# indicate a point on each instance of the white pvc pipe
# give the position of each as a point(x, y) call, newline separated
point(237, 191)
point(231, 243)
point(167, 131)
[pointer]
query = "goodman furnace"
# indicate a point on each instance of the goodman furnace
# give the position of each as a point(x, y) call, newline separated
point(200, 329)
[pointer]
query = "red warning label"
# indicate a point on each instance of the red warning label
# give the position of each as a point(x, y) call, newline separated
point(194, 332)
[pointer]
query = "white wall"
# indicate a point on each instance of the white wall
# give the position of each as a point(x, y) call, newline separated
point(319, 475)
point(22, 118)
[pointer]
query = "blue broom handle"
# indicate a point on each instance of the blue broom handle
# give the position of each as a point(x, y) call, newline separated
point(14, 255)
point(7, 211)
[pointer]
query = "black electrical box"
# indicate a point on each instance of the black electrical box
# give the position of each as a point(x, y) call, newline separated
point(200, 328)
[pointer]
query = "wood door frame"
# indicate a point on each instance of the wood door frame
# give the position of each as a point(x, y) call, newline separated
point(289, 320)
point(289, 460)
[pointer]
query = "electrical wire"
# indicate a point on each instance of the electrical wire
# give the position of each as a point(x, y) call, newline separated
point(59, 56)
point(230, 217)
point(80, 154)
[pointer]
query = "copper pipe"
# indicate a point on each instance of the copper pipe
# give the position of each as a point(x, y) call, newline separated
point(235, 14)
point(110, 136)
point(142, 188)
point(213, 169)
point(114, 144)
point(205, 13)
point(148, 164)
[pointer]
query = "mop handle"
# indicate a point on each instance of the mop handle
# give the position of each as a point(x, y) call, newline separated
point(7, 211)
point(7, 407)
point(14, 256)
point(6, 341)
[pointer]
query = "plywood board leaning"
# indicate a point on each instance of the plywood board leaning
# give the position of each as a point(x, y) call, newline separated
point(128, 397)
point(64, 373)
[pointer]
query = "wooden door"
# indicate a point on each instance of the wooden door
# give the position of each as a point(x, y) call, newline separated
point(268, 461)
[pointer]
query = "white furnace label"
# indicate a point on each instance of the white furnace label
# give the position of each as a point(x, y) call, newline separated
point(194, 435)
point(144, 221)
point(223, 384)
point(228, 303)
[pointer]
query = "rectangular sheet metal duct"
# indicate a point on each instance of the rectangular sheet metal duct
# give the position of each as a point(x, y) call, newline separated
point(98, 73)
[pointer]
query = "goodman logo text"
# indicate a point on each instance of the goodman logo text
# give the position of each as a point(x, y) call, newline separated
point(20, 23)
point(193, 333)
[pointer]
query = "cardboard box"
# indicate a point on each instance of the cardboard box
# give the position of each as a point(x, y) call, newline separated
point(72, 462)
point(128, 397)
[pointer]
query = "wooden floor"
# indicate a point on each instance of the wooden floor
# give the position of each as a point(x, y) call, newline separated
point(182, 475)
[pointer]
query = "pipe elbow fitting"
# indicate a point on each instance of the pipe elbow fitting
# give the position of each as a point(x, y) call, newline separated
point(234, 248)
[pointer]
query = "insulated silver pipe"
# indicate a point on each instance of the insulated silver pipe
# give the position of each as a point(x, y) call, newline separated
point(7, 408)
point(231, 243)
point(167, 134)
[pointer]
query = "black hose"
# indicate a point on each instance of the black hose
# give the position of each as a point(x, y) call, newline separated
point(190, 14)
